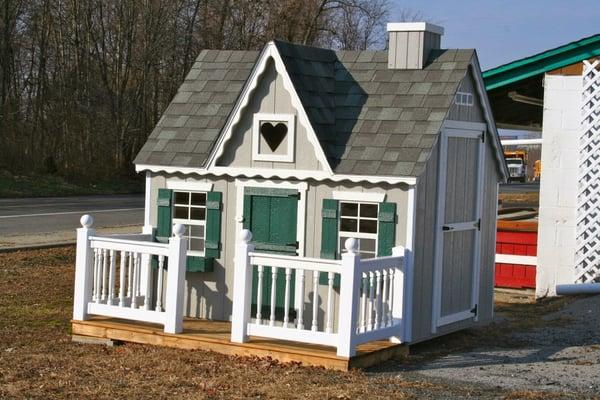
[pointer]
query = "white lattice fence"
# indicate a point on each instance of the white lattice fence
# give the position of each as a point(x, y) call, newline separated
point(587, 265)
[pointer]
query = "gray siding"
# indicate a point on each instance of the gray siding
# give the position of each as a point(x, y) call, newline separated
point(409, 50)
point(209, 294)
point(270, 96)
point(467, 113)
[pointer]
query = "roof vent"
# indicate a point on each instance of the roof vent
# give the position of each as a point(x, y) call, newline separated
point(410, 43)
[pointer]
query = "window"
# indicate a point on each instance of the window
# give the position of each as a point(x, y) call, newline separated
point(190, 210)
point(463, 99)
point(359, 220)
point(273, 137)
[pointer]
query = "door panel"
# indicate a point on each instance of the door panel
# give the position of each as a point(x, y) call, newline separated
point(457, 262)
point(273, 223)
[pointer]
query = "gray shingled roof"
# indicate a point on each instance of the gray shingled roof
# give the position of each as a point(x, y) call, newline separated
point(369, 119)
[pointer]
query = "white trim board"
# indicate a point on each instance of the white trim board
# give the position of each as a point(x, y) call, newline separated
point(516, 259)
point(277, 174)
point(290, 122)
point(374, 197)
point(194, 186)
point(270, 51)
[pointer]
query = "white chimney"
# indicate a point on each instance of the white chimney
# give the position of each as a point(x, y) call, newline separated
point(410, 43)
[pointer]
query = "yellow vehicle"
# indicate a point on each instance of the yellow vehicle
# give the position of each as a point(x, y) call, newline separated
point(537, 170)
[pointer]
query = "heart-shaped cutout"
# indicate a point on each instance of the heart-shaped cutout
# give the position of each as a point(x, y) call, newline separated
point(273, 134)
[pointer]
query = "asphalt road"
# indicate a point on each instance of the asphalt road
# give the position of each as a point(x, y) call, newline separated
point(520, 187)
point(41, 215)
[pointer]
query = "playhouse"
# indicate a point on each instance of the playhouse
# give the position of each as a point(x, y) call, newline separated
point(308, 204)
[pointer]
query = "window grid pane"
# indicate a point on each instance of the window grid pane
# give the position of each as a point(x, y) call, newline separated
point(190, 210)
point(359, 221)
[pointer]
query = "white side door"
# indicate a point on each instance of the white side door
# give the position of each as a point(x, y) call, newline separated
point(458, 235)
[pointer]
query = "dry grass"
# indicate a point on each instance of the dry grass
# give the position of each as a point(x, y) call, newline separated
point(39, 360)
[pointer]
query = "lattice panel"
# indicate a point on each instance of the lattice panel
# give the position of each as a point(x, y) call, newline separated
point(587, 263)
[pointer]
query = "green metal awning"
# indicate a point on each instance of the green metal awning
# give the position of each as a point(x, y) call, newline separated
point(548, 60)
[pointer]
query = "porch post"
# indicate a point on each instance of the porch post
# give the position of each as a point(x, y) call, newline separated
point(175, 281)
point(400, 302)
point(242, 288)
point(349, 298)
point(83, 269)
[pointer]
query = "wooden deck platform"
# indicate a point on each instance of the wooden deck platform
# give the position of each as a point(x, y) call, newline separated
point(214, 336)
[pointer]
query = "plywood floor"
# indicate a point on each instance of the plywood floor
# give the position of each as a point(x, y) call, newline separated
point(215, 335)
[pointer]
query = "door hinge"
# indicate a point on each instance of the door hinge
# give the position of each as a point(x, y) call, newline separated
point(483, 137)
point(474, 310)
point(478, 224)
point(447, 228)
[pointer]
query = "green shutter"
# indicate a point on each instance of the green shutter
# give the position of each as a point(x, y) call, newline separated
point(164, 223)
point(329, 229)
point(386, 237)
point(212, 243)
point(329, 236)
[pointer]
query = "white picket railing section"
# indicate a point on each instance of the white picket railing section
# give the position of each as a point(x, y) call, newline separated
point(364, 310)
point(114, 277)
point(587, 267)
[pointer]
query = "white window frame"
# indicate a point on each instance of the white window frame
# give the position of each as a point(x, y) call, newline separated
point(289, 120)
point(358, 235)
point(464, 99)
point(187, 222)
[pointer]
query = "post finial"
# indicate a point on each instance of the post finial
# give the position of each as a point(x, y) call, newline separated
point(245, 236)
point(86, 220)
point(179, 230)
point(351, 245)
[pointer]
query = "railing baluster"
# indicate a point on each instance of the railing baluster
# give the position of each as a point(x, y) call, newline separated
point(111, 278)
point(273, 294)
point(378, 302)
point(259, 294)
point(391, 277)
point(95, 293)
point(329, 325)
point(138, 285)
point(148, 295)
point(384, 299)
point(315, 306)
point(286, 301)
point(122, 279)
point(363, 311)
point(104, 273)
point(299, 316)
point(159, 285)
point(134, 281)
point(371, 295)
point(130, 276)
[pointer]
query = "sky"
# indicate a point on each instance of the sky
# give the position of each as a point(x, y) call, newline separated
point(504, 31)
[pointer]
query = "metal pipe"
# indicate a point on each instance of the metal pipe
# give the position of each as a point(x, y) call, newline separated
point(578, 288)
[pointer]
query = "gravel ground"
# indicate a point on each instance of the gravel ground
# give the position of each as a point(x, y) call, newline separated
point(561, 356)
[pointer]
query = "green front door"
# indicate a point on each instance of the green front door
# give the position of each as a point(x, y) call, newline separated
point(272, 216)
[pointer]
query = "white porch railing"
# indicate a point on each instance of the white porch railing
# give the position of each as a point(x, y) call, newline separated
point(114, 277)
point(363, 311)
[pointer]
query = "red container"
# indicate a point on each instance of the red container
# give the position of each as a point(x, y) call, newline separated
point(516, 275)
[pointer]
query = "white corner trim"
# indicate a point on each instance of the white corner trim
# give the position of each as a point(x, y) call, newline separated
point(291, 137)
point(374, 197)
point(265, 173)
point(408, 292)
point(270, 51)
point(177, 184)
point(147, 200)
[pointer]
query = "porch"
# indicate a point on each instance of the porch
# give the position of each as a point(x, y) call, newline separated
point(215, 336)
point(333, 313)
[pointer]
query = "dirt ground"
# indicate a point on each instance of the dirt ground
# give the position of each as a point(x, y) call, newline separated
point(534, 351)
